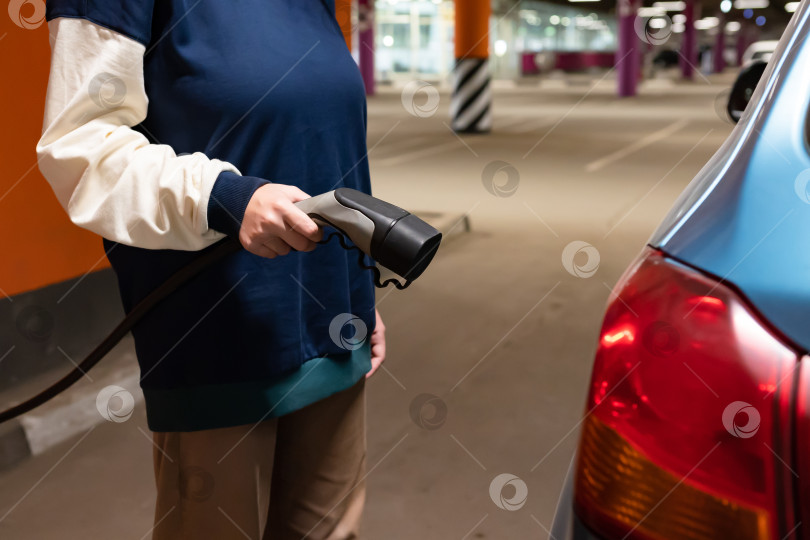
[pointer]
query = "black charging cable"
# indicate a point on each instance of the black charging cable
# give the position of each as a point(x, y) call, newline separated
point(132, 318)
point(224, 248)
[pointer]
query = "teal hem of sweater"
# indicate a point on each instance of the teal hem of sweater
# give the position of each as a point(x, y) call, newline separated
point(234, 404)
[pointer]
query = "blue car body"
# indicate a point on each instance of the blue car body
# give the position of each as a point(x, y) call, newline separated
point(745, 218)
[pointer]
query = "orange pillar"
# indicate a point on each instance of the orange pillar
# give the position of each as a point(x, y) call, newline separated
point(343, 14)
point(470, 104)
point(48, 248)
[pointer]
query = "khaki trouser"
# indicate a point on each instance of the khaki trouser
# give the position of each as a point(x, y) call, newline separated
point(293, 477)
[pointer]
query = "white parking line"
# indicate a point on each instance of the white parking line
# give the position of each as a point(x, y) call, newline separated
point(394, 148)
point(418, 153)
point(532, 125)
point(526, 125)
point(652, 138)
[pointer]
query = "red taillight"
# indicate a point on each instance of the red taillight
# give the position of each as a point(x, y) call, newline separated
point(683, 434)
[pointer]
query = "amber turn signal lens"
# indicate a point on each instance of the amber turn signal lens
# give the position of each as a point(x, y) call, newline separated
point(622, 494)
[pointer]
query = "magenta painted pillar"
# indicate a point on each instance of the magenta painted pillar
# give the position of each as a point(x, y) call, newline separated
point(747, 35)
point(627, 51)
point(742, 41)
point(689, 45)
point(365, 38)
point(720, 45)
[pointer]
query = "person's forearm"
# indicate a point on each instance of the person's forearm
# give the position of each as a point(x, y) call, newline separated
point(106, 175)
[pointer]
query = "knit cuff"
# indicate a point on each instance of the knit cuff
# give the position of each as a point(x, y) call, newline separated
point(229, 199)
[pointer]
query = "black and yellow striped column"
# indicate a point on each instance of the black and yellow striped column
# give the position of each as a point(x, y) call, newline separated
point(471, 103)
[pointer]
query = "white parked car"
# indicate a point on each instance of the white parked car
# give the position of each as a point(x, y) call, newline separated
point(759, 50)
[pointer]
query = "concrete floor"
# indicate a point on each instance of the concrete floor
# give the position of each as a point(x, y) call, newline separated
point(496, 329)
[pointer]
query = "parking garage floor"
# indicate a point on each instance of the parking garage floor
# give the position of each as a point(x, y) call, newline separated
point(497, 332)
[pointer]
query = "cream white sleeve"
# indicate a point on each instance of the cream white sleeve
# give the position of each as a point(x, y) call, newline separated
point(107, 176)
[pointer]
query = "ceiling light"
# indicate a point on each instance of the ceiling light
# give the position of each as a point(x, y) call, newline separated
point(651, 12)
point(751, 4)
point(677, 5)
point(706, 23)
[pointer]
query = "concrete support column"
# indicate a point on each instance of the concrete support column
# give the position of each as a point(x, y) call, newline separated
point(365, 43)
point(628, 51)
point(719, 60)
point(689, 47)
point(471, 102)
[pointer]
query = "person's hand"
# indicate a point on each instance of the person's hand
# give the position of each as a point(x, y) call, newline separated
point(274, 226)
point(377, 345)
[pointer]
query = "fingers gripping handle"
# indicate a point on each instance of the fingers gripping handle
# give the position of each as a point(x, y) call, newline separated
point(327, 210)
point(396, 239)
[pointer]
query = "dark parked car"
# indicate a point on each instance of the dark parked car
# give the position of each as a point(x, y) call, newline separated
point(666, 58)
